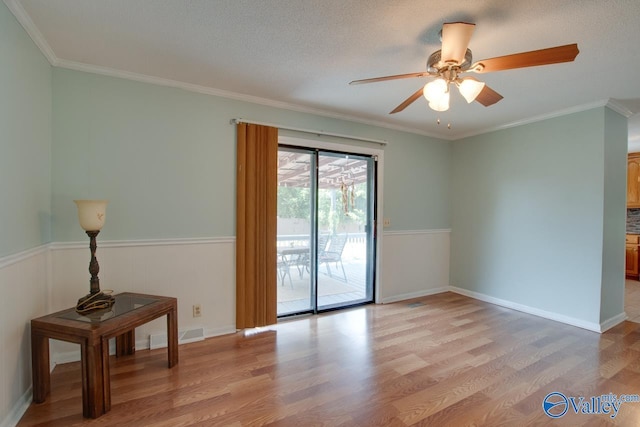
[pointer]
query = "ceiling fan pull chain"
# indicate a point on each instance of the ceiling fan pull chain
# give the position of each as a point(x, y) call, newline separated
point(448, 124)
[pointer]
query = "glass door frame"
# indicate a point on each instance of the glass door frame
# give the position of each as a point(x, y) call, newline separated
point(375, 206)
point(370, 265)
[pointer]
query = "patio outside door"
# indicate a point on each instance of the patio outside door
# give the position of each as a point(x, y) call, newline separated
point(325, 230)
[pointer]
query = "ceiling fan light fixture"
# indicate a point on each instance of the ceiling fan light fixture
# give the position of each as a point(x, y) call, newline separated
point(441, 104)
point(455, 58)
point(435, 90)
point(470, 88)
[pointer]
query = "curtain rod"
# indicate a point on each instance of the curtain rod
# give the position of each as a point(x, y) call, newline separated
point(311, 131)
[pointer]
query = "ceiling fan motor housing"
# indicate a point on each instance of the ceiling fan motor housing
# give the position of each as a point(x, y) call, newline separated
point(435, 64)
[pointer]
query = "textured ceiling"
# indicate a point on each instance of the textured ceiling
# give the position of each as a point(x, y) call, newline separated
point(301, 54)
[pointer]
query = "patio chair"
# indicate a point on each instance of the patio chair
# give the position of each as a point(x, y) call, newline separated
point(334, 254)
point(323, 239)
point(283, 270)
point(303, 261)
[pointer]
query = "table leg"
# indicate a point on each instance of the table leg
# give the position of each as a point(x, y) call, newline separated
point(106, 376)
point(126, 343)
point(92, 380)
point(172, 337)
point(40, 367)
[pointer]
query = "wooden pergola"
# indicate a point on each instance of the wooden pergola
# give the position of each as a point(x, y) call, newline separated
point(294, 170)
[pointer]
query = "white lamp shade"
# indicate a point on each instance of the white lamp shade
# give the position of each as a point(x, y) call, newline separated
point(434, 90)
point(441, 104)
point(470, 88)
point(91, 214)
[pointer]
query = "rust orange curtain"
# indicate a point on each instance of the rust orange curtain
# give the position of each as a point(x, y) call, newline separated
point(256, 210)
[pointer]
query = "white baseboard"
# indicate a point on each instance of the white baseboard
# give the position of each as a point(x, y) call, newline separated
point(223, 330)
point(161, 340)
point(141, 344)
point(18, 410)
point(572, 321)
point(58, 358)
point(411, 295)
point(613, 321)
point(590, 326)
point(161, 337)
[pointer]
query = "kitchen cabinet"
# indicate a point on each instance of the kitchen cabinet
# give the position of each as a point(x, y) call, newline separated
point(633, 180)
point(631, 256)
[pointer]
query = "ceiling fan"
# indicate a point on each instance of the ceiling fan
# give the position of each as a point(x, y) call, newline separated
point(454, 59)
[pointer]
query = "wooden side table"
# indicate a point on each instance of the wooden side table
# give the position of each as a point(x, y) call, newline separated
point(93, 332)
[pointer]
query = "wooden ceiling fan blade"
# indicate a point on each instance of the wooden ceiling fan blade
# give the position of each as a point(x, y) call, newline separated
point(552, 55)
point(488, 96)
point(410, 100)
point(395, 77)
point(455, 40)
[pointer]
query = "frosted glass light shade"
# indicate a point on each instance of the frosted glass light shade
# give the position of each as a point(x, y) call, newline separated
point(91, 214)
point(441, 104)
point(470, 88)
point(434, 90)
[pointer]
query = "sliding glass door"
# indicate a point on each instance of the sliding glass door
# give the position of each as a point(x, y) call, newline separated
point(296, 222)
point(326, 205)
point(345, 216)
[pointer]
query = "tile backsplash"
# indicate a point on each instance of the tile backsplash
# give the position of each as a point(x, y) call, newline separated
point(633, 221)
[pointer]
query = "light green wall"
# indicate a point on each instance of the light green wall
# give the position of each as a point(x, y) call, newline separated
point(25, 139)
point(527, 214)
point(417, 185)
point(165, 158)
point(537, 215)
point(615, 201)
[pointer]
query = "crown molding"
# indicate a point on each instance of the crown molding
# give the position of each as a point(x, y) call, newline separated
point(534, 119)
point(160, 81)
point(144, 78)
point(25, 20)
point(618, 107)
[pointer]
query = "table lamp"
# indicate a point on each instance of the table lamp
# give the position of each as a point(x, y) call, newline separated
point(91, 214)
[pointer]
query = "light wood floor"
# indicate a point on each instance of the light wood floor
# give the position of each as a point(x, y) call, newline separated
point(448, 360)
point(632, 300)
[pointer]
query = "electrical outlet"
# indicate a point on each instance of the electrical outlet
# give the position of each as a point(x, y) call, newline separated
point(386, 222)
point(197, 311)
